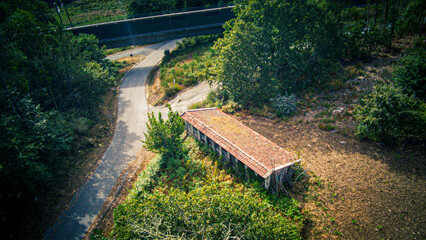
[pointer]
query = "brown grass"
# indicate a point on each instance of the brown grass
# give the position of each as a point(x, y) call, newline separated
point(155, 91)
point(355, 189)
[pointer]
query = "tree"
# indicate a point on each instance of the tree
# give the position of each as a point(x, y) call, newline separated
point(51, 83)
point(276, 46)
point(164, 136)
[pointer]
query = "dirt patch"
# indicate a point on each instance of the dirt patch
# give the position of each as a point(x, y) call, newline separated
point(155, 92)
point(131, 60)
point(355, 189)
point(104, 220)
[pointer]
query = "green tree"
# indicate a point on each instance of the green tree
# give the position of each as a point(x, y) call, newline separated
point(50, 80)
point(164, 136)
point(277, 46)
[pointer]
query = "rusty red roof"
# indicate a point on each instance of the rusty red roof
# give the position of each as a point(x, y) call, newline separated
point(254, 150)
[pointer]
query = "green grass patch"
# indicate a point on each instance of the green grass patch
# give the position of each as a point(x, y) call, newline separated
point(82, 12)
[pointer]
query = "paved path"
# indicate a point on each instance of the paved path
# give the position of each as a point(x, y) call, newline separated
point(146, 50)
point(131, 124)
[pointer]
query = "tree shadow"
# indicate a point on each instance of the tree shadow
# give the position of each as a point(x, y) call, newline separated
point(90, 197)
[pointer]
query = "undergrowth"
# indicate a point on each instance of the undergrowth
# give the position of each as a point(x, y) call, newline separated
point(195, 198)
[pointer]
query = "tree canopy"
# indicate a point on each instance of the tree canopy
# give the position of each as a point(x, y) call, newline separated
point(164, 136)
point(277, 46)
point(50, 83)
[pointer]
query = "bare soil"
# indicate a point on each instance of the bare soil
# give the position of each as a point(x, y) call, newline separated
point(155, 93)
point(355, 189)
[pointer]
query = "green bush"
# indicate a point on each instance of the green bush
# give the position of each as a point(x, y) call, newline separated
point(192, 198)
point(215, 211)
point(412, 19)
point(171, 92)
point(388, 114)
point(410, 75)
point(284, 105)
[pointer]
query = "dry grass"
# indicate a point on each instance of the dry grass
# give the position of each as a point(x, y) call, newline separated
point(356, 189)
point(155, 92)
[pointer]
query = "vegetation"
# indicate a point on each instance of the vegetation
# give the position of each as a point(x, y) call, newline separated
point(397, 110)
point(274, 46)
point(191, 62)
point(164, 137)
point(370, 29)
point(284, 105)
point(148, 6)
point(410, 73)
point(192, 198)
point(81, 12)
point(51, 85)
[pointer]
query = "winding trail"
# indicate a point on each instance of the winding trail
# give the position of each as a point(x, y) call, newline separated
point(131, 124)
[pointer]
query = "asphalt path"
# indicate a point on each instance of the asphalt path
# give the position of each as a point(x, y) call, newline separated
point(145, 50)
point(131, 124)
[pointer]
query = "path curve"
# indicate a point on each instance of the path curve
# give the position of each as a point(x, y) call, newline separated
point(131, 124)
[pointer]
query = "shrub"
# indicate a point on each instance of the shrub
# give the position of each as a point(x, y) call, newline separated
point(214, 211)
point(412, 18)
point(284, 105)
point(164, 136)
point(171, 92)
point(410, 75)
point(146, 178)
point(388, 114)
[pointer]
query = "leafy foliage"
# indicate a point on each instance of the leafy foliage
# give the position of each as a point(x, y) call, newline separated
point(397, 110)
point(411, 20)
point(51, 85)
point(208, 212)
point(275, 46)
point(165, 136)
point(388, 114)
point(194, 199)
point(410, 75)
point(284, 105)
